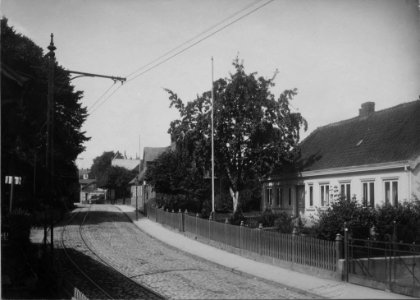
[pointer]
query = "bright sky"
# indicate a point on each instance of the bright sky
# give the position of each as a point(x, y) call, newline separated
point(337, 53)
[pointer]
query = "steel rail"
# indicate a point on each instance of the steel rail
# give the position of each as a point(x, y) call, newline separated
point(103, 260)
point(75, 265)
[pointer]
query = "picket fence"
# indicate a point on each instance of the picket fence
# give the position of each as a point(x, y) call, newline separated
point(303, 250)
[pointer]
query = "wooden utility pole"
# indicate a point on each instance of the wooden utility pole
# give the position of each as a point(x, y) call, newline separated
point(50, 137)
point(212, 144)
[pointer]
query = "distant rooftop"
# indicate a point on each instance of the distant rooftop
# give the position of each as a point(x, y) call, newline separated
point(129, 164)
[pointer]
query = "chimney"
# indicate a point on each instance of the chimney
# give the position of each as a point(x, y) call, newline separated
point(367, 109)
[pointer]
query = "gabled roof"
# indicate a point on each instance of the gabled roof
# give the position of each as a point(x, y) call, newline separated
point(129, 164)
point(152, 153)
point(389, 135)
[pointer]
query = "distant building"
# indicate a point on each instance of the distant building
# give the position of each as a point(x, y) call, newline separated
point(374, 157)
point(139, 186)
point(84, 173)
point(129, 164)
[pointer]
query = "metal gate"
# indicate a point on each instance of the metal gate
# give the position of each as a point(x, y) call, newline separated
point(384, 265)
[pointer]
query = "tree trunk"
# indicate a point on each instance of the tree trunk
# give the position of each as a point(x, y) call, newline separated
point(235, 199)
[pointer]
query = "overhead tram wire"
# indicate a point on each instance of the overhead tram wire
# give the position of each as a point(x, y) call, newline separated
point(104, 100)
point(200, 40)
point(100, 97)
point(185, 49)
point(193, 38)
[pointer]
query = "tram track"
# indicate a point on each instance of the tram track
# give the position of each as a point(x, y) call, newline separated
point(105, 280)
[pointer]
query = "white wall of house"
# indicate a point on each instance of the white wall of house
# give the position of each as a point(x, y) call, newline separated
point(397, 184)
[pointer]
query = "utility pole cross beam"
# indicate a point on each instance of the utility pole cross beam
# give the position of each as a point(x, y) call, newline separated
point(84, 74)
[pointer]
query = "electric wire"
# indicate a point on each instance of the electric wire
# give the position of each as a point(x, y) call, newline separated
point(185, 49)
point(200, 40)
point(104, 100)
point(100, 97)
point(193, 38)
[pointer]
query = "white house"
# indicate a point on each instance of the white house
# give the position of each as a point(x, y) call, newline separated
point(374, 157)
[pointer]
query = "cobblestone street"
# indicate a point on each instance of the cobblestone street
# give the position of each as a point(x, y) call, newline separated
point(166, 270)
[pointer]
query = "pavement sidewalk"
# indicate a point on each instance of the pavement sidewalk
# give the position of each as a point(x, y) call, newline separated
point(324, 288)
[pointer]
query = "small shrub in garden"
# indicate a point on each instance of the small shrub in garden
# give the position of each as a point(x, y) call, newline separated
point(267, 218)
point(407, 221)
point(284, 222)
point(331, 221)
point(236, 218)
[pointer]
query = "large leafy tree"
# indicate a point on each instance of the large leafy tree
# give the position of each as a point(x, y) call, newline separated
point(254, 132)
point(24, 105)
point(111, 177)
point(177, 177)
point(101, 165)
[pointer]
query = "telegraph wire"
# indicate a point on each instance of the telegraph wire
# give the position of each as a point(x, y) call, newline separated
point(193, 38)
point(100, 97)
point(200, 40)
point(104, 100)
point(185, 49)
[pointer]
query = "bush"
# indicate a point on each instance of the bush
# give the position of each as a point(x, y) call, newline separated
point(267, 218)
point(236, 218)
point(407, 222)
point(359, 220)
point(284, 222)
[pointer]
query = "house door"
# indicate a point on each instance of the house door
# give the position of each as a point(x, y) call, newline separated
point(300, 200)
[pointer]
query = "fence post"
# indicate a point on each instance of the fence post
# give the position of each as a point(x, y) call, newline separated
point(394, 247)
point(180, 220)
point(260, 227)
point(346, 250)
point(210, 225)
point(294, 246)
point(339, 251)
point(241, 226)
point(225, 230)
point(196, 220)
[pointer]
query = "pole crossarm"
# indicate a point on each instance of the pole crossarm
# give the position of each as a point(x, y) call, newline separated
point(84, 74)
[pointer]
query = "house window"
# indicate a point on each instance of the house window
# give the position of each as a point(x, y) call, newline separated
point(269, 196)
point(325, 194)
point(345, 191)
point(391, 192)
point(279, 197)
point(290, 196)
point(311, 195)
point(368, 194)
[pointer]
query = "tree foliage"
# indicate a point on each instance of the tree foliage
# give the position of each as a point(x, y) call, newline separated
point(360, 221)
point(181, 183)
point(253, 131)
point(111, 177)
point(24, 105)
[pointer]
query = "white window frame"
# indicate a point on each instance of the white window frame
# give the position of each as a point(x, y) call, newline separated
point(280, 196)
point(311, 194)
point(391, 199)
point(345, 184)
point(367, 200)
point(324, 192)
point(269, 194)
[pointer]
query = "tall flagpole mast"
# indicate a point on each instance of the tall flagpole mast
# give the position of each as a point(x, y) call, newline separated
point(212, 143)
